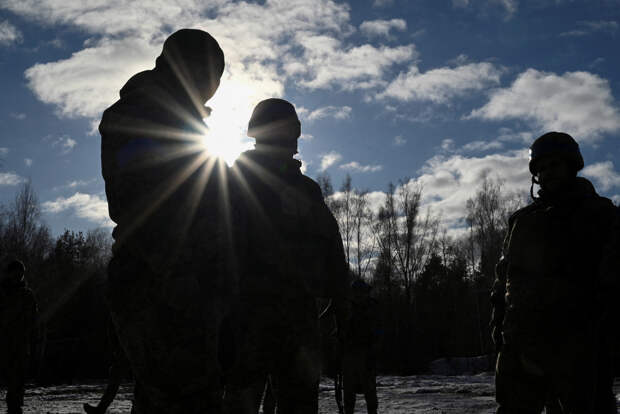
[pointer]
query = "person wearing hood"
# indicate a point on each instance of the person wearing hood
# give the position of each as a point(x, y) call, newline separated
point(18, 317)
point(551, 298)
point(293, 254)
point(167, 279)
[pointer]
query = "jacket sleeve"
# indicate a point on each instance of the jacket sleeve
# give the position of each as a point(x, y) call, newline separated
point(609, 270)
point(498, 291)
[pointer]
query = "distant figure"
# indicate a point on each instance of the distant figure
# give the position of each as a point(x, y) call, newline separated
point(293, 254)
point(551, 295)
point(359, 370)
point(18, 317)
point(167, 280)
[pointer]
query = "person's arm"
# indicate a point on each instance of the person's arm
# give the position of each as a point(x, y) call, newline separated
point(498, 292)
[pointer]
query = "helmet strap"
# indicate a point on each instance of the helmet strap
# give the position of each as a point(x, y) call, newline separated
point(534, 181)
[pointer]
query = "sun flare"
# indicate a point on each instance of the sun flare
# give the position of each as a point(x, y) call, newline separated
point(227, 125)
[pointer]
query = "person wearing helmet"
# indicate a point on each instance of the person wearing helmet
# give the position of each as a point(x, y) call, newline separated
point(18, 315)
point(167, 278)
point(293, 255)
point(549, 313)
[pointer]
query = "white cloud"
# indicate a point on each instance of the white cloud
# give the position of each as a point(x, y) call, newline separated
point(604, 174)
point(590, 27)
point(399, 141)
point(382, 27)
point(3, 151)
point(336, 112)
point(448, 181)
point(442, 84)
point(89, 81)
point(579, 103)
point(447, 145)
point(327, 62)
point(65, 143)
point(329, 159)
point(482, 146)
point(510, 6)
point(382, 3)
point(19, 116)
point(9, 34)
point(262, 43)
point(356, 166)
point(307, 137)
point(86, 206)
point(28, 162)
point(75, 184)
point(10, 178)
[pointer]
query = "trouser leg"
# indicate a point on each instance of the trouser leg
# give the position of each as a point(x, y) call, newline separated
point(516, 390)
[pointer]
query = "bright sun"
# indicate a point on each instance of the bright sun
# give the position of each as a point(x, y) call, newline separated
point(227, 125)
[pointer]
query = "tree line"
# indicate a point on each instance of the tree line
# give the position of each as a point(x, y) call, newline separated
point(432, 289)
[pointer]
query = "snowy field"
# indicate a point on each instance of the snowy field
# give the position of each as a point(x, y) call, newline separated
point(397, 395)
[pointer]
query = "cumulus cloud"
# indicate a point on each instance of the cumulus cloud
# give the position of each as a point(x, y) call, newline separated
point(10, 178)
point(265, 45)
point(336, 112)
point(382, 27)
point(328, 63)
point(86, 206)
point(9, 34)
point(579, 103)
point(3, 151)
point(28, 162)
point(442, 84)
point(604, 174)
point(448, 181)
point(356, 166)
point(329, 159)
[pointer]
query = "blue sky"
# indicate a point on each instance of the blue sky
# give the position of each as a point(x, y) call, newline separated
point(441, 92)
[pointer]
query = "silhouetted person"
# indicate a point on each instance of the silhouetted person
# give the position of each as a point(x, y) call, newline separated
point(550, 295)
point(18, 316)
point(293, 255)
point(360, 350)
point(165, 193)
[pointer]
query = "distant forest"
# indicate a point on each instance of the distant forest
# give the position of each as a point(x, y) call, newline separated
point(432, 290)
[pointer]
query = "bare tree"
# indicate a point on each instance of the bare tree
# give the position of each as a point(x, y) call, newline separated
point(365, 243)
point(24, 233)
point(411, 237)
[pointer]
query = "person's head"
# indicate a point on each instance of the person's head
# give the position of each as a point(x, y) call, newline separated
point(555, 160)
point(194, 58)
point(275, 126)
point(14, 271)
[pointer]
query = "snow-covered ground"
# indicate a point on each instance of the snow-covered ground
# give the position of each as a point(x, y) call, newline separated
point(397, 395)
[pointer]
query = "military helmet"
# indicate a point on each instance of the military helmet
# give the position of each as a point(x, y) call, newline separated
point(555, 143)
point(274, 119)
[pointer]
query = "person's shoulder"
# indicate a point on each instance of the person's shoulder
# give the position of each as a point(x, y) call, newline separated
point(311, 187)
point(533, 206)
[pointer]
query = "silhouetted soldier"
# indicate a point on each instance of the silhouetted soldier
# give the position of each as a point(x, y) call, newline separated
point(293, 255)
point(550, 299)
point(360, 350)
point(166, 278)
point(18, 314)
